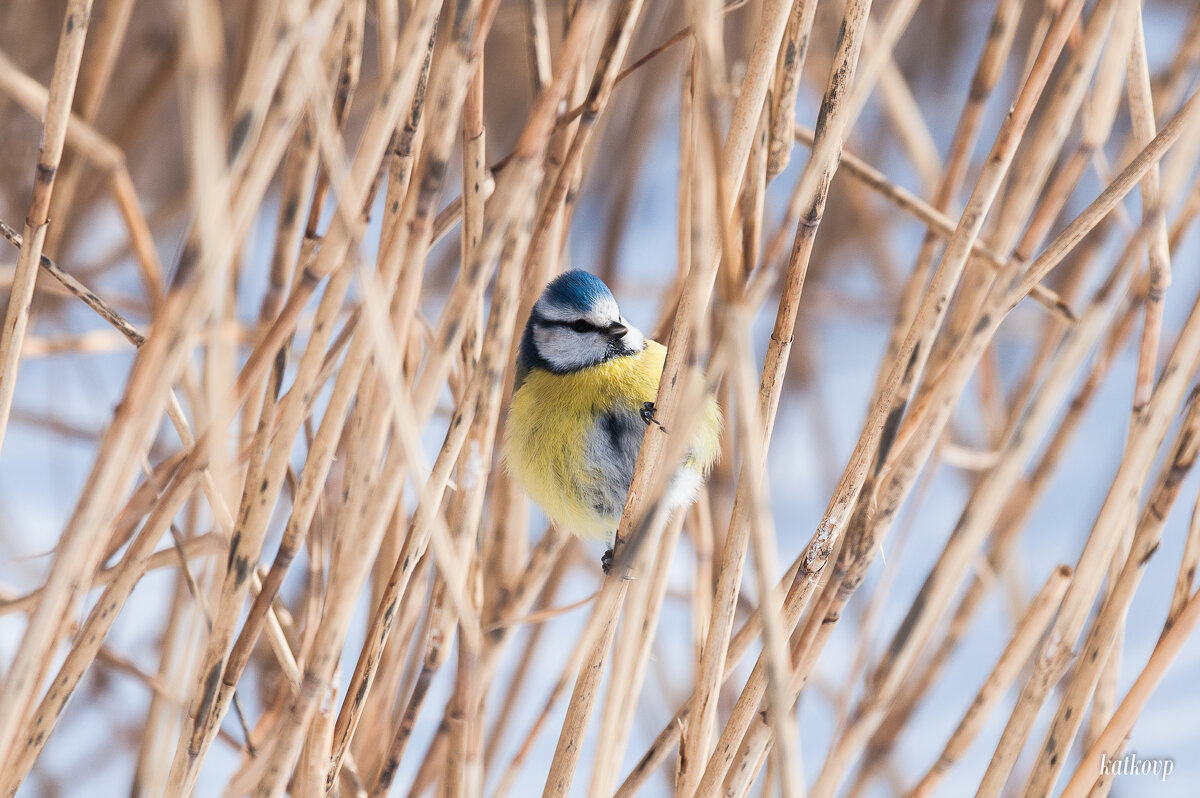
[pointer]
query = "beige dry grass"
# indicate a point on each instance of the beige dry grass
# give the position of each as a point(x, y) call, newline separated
point(334, 405)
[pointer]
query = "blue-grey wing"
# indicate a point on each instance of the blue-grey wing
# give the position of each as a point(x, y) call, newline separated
point(612, 448)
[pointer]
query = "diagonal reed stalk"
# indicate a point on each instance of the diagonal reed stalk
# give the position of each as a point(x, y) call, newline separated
point(306, 234)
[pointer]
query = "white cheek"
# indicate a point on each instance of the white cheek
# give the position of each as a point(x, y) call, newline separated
point(633, 340)
point(566, 350)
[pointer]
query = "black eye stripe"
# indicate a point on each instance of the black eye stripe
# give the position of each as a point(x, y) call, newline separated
point(578, 325)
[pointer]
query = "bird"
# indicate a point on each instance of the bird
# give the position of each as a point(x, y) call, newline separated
point(585, 385)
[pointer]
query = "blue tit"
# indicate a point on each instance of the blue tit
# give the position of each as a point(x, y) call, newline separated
point(586, 379)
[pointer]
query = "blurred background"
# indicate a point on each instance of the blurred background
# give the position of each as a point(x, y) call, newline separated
point(74, 370)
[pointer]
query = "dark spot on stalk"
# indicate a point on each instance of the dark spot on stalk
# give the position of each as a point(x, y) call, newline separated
point(888, 435)
point(912, 362)
point(910, 620)
point(431, 181)
point(277, 377)
point(361, 693)
point(237, 137)
point(210, 691)
point(241, 569)
point(187, 264)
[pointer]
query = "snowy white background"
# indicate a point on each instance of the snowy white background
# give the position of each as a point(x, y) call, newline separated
point(39, 481)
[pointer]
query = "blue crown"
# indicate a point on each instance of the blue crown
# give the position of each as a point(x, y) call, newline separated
point(577, 289)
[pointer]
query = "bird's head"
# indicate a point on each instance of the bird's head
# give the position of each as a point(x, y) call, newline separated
point(575, 324)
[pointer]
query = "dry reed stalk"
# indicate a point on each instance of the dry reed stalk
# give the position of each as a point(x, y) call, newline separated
point(78, 289)
point(1187, 571)
point(1033, 624)
point(631, 655)
point(201, 546)
point(940, 225)
point(1145, 439)
point(1150, 155)
point(349, 416)
point(521, 677)
point(16, 317)
point(766, 558)
point(1119, 726)
point(108, 32)
point(504, 787)
point(291, 414)
point(695, 298)
point(183, 433)
point(25, 672)
point(787, 83)
point(787, 316)
point(985, 503)
point(899, 19)
point(156, 363)
point(1141, 110)
point(103, 153)
point(499, 336)
point(92, 634)
point(850, 571)
point(988, 70)
point(485, 252)
point(999, 162)
point(154, 756)
point(821, 167)
point(1106, 627)
point(1022, 501)
point(284, 751)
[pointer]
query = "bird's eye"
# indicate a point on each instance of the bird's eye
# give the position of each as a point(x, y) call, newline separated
point(581, 326)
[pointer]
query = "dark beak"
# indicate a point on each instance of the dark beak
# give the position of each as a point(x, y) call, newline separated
point(616, 329)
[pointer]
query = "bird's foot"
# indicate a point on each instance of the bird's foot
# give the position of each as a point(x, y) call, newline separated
point(609, 557)
point(648, 416)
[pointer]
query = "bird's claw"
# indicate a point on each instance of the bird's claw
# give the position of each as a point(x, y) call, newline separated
point(648, 416)
point(606, 562)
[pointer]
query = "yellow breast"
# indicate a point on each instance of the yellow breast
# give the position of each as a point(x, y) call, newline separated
point(552, 415)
